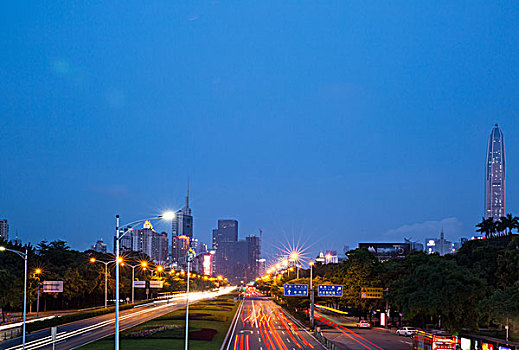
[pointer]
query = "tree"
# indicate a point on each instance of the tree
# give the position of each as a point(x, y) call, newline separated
point(501, 308)
point(435, 287)
point(361, 269)
point(509, 222)
point(487, 226)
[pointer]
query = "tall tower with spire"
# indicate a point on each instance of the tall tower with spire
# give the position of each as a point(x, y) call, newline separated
point(183, 222)
point(495, 175)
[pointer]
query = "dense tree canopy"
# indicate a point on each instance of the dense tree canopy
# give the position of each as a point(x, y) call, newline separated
point(84, 281)
point(476, 287)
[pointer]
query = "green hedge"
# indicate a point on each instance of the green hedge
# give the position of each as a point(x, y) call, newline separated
point(60, 320)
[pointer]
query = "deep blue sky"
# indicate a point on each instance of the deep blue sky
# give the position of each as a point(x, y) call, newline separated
point(336, 121)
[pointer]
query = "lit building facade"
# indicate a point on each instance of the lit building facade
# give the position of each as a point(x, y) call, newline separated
point(179, 250)
point(147, 241)
point(227, 231)
point(100, 246)
point(4, 230)
point(182, 224)
point(495, 175)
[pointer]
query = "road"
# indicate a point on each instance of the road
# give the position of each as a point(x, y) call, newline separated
point(76, 334)
point(343, 333)
point(263, 325)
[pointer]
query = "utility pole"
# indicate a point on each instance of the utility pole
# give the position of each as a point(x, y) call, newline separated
point(311, 296)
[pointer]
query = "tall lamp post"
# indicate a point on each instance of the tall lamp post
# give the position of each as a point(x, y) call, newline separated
point(143, 264)
point(94, 260)
point(294, 256)
point(311, 295)
point(126, 228)
point(190, 256)
point(38, 272)
point(24, 257)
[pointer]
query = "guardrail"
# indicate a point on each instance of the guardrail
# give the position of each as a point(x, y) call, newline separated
point(325, 341)
point(10, 333)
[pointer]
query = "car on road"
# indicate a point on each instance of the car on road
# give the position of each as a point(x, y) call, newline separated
point(406, 331)
point(363, 324)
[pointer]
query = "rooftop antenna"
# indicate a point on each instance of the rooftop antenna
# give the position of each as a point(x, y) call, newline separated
point(187, 196)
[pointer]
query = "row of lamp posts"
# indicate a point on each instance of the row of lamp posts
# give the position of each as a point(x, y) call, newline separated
point(125, 229)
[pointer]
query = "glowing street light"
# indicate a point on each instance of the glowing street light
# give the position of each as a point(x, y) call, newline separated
point(169, 215)
point(38, 271)
point(143, 265)
point(94, 260)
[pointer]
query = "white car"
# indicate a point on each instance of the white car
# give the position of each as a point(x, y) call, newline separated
point(363, 324)
point(406, 331)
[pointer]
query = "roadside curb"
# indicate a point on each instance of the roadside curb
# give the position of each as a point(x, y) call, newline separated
point(232, 326)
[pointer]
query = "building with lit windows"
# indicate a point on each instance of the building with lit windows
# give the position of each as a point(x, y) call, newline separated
point(495, 175)
point(100, 246)
point(147, 241)
point(182, 224)
point(4, 230)
point(179, 250)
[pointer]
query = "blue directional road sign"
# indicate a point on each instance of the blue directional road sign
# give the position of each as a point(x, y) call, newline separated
point(329, 290)
point(296, 290)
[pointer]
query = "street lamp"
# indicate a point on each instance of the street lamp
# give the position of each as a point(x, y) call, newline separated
point(294, 256)
point(94, 260)
point(24, 257)
point(166, 216)
point(190, 256)
point(311, 295)
point(143, 264)
point(38, 272)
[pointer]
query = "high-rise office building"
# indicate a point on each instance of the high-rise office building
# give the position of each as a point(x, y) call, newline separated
point(227, 231)
point(237, 260)
point(100, 246)
point(4, 229)
point(254, 252)
point(183, 222)
point(495, 175)
point(179, 250)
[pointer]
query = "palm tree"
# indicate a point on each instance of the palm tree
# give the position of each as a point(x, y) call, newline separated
point(506, 223)
point(501, 226)
point(487, 226)
point(514, 223)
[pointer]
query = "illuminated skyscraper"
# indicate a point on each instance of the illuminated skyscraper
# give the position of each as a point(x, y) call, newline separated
point(495, 175)
point(182, 224)
point(4, 230)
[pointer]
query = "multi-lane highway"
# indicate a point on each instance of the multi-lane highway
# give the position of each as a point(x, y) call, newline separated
point(342, 332)
point(263, 325)
point(76, 334)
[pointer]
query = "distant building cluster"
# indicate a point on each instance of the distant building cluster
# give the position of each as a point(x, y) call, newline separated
point(442, 246)
point(147, 241)
point(235, 259)
point(238, 260)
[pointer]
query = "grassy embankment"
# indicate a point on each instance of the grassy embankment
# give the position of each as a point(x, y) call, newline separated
point(209, 321)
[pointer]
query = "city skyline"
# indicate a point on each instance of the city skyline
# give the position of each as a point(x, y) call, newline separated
point(184, 220)
point(370, 123)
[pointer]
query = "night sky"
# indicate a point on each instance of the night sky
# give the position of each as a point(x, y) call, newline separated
point(326, 122)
